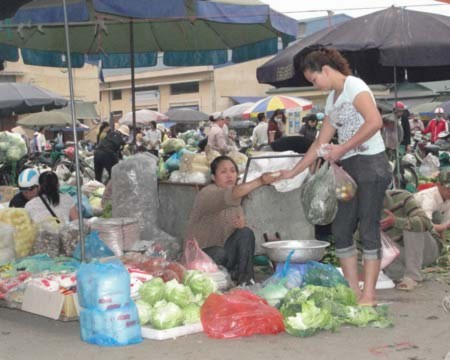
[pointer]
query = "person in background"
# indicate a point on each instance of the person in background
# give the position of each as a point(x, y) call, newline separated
point(415, 123)
point(309, 129)
point(50, 202)
point(217, 220)
point(402, 114)
point(276, 127)
point(226, 125)
point(412, 231)
point(259, 135)
point(350, 111)
point(39, 141)
point(164, 132)
point(102, 131)
point(153, 138)
point(28, 185)
point(216, 136)
point(108, 152)
point(436, 125)
point(59, 141)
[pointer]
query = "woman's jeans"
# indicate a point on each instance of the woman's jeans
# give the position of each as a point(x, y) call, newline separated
point(236, 255)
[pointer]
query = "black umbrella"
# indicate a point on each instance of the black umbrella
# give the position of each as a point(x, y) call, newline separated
point(186, 115)
point(387, 46)
point(21, 98)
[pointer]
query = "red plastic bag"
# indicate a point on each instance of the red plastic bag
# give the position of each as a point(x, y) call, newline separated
point(195, 259)
point(388, 250)
point(239, 313)
point(345, 185)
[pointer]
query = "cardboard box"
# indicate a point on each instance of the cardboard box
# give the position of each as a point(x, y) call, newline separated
point(50, 304)
point(7, 193)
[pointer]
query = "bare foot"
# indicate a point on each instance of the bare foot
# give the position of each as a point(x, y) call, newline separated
point(366, 300)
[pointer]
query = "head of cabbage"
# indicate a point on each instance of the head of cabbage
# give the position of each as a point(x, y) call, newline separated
point(178, 293)
point(191, 314)
point(166, 315)
point(199, 283)
point(152, 291)
point(144, 311)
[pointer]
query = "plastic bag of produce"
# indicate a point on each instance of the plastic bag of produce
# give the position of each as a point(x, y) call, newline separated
point(63, 172)
point(103, 286)
point(195, 258)
point(325, 275)
point(239, 313)
point(24, 229)
point(94, 248)
point(7, 250)
point(318, 197)
point(69, 235)
point(173, 163)
point(388, 250)
point(47, 240)
point(430, 166)
point(344, 184)
point(240, 159)
point(191, 163)
point(12, 146)
point(171, 145)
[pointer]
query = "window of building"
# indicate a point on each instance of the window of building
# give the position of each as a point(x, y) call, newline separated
point(117, 94)
point(184, 88)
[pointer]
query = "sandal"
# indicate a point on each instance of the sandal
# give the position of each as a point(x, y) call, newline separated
point(407, 284)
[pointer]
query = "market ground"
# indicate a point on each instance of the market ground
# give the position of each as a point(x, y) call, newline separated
point(421, 332)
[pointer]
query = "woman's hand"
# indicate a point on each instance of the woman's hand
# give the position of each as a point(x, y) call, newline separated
point(388, 221)
point(269, 178)
point(283, 174)
point(239, 222)
point(335, 152)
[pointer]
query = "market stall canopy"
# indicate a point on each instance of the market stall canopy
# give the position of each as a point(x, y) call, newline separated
point(236, 111)
point(54, 118)
point(426, 108)
point(387, 46)
point(195, 32)
point(83, 110)
point(271, 103)
point(143, 118)
point(186, 115)
point(21, 98)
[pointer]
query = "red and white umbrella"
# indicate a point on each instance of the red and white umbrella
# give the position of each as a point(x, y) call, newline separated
point(143, 118)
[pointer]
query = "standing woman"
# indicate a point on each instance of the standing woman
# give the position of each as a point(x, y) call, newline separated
point(351, 111)
point(102, 131)
point(277, 125)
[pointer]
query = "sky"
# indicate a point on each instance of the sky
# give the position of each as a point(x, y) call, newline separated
point(299, 9)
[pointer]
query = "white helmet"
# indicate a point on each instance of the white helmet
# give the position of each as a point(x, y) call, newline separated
point(439, 110)
point(28, 178)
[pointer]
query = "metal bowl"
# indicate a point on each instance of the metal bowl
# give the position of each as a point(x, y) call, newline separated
point(305, 250)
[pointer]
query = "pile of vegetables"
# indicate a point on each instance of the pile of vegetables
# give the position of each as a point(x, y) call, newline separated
point(171, 304)
point(24, 229)
point(12, 147)
point(313, 308)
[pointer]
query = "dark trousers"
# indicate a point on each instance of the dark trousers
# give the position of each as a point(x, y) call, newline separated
point(236, 255)
point(104, 160)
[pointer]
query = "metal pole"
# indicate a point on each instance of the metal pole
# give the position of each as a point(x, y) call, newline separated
point(133, 85)
point(397, 155)
point(74, 127)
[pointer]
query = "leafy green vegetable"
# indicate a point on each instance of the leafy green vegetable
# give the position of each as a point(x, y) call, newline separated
point(152, 291)
point(274, 293)
point(191, 314)
point(309, 321)
point(166, 315)
point(199, 283)
point(178, 293)
point(144, 311)
point(367, 316)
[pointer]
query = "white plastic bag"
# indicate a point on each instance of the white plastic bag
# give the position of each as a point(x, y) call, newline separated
point(388, 250)
point(429, 166)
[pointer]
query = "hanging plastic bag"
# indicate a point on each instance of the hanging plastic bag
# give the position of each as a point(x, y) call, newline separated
point(94, 248)
point(318, 197)
point(344, 184)
point(195, 258)
point(239, 313)
point(430, 166)
point(388, 250)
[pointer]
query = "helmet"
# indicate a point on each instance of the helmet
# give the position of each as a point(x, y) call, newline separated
point(439, 110)
point(28, 178)
point(399, 105)
point(124, 130)
point(320, 116)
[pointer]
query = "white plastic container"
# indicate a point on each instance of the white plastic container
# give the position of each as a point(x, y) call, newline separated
point(154, 334)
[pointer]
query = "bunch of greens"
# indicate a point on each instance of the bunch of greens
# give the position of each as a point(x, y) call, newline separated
point(315, 308)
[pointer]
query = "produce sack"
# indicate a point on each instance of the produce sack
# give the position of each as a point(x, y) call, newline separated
point(191, 163)
point(116, 327)
point(344, 184)
point(325, 275)
point(389, 251)
point(94, 248)
point(12, 147)
point(171, 145)
point(69, 235)
point(47, 240)
point(24, 229)
point(103, 286)
point(195, 258)
point(7, 250)
point(430, 166)
point(239, 313)
point(318, 197)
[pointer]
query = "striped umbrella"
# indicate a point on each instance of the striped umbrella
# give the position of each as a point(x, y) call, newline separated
point(269, 104)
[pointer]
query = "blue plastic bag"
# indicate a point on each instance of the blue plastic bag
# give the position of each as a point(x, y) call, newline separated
point(118, 327)
point(103, 286)
point(323, 275)
point(174, 161)
point(86, 208)
point(94, 248)
point(291, 274)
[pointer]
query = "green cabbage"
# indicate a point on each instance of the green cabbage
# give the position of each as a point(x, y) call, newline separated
point(199, 283)
point(191, 314)
point(166, 315)
point(309, 321)
point(144, 311)
point(274, 293)
point(367, 316)
point(178, 293)
point(152, 291)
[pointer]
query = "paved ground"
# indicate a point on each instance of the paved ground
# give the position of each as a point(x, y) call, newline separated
point(421, 332)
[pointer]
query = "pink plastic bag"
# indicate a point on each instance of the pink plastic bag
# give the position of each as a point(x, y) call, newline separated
point(388, 250)
point(239, 313)
point(195, 259)
point(345, 185)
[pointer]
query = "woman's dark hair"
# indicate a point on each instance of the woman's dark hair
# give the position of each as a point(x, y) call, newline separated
point(311, 117)
point(317, 59)
point(278, 112)
point(215, 163)
point(102, 128)
point(49, 186)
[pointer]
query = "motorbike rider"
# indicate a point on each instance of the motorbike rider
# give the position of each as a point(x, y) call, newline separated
point(29, 187)
point(436, 125)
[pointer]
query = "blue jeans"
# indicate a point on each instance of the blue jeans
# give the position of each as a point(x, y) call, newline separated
point(372, 174)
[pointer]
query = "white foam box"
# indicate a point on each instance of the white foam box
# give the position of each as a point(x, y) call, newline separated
point(154, 334)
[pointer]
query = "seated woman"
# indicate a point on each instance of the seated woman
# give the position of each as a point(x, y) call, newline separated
point(217, 220)
point(50, 202)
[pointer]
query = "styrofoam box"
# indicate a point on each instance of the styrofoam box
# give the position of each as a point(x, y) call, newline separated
point(154, 334)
